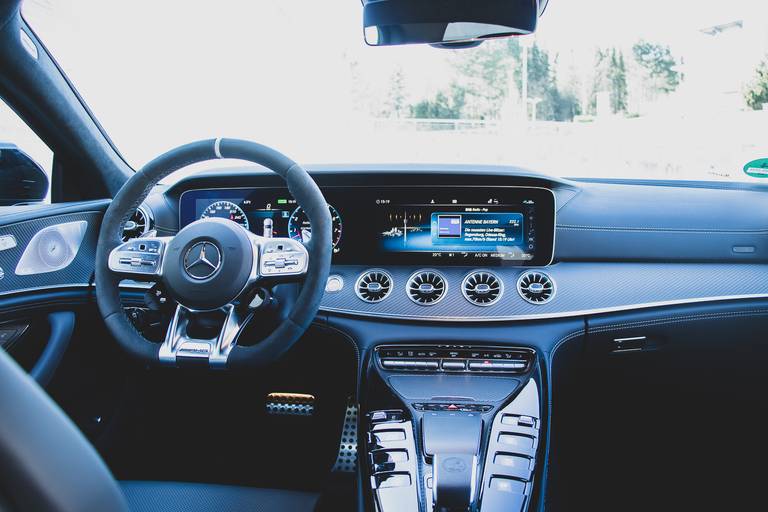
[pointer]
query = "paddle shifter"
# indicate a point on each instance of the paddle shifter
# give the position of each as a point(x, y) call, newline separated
point(452, 441)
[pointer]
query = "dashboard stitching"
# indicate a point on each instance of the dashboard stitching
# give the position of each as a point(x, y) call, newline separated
point(680, 319)
point(563, 340)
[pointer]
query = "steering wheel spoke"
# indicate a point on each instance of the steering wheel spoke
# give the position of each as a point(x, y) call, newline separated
point(180, 345)
point(140, 258)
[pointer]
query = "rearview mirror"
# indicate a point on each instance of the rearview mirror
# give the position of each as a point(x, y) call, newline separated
point(22, 180)
point(447, 22)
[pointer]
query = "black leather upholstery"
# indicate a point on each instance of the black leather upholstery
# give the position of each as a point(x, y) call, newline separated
point(189, 497)
point(46, 464)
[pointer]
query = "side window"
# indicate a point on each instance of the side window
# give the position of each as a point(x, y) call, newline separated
point(25, 162)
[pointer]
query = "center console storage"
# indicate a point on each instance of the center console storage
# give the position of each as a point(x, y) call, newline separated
point(450, 431)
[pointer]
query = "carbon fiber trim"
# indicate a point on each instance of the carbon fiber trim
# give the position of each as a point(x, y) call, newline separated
point(77, 273)
point(583, 288)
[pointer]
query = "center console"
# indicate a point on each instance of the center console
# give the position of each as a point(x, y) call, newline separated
point(451, 428)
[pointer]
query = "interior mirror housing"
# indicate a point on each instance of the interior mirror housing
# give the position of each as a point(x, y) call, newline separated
point(22, 180)
point(395, 22)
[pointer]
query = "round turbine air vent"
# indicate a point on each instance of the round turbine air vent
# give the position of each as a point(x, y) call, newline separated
point(536, 287)
point(426, 287)
point(482, 288)
point(137, 225)
point(373, 286)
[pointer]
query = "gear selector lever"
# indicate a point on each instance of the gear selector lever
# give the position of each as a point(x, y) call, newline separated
point(452, 440)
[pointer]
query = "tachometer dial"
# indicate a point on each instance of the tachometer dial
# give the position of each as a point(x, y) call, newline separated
point(300, 229)
point(226, 210)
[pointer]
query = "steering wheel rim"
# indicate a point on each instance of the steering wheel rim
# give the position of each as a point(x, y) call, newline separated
point(301, 186)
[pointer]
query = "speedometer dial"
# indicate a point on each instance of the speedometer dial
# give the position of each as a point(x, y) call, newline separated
point(300, 229)
point(226, 210)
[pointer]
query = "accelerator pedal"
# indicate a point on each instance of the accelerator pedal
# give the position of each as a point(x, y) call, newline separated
point(346, 460)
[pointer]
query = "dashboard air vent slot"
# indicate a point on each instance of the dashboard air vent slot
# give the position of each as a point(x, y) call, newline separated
point(137, 225)
point(482, 288)
point(373, 286)
point(426, 287)
point(536, 287)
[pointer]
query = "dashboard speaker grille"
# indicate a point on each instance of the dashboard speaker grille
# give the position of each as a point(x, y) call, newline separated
point(373, 286)
point(482, 288)
point(137, 225)
point(536, 287)
point(426, 287)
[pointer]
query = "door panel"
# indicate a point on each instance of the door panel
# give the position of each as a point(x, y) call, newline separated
point(53, 281)
point(51, 248)
point(673, 421)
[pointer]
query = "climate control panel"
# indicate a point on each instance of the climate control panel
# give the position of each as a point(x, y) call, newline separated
point(454, 359)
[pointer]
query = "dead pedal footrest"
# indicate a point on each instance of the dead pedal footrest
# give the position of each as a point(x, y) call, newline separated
point(290, 404)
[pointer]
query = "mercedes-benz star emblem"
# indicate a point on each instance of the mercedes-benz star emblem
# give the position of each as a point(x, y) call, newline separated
point(202, 260)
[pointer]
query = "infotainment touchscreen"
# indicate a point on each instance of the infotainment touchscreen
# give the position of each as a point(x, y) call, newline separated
point(400, 225)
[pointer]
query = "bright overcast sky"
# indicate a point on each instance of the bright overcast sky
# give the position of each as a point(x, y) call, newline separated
point(161, 73)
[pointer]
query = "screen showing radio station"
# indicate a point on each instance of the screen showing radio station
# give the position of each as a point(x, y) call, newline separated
point(458, 227)
point(398, 224)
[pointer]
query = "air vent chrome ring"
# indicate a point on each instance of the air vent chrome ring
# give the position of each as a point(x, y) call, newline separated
point(374, 285)
point(426, 287)
point(536, 287)
point(137, 225)
point(482, 288)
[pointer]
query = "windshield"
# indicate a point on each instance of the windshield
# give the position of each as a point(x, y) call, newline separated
point(652, 89)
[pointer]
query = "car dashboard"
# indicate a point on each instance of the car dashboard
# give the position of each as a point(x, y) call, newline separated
point(467, 297)
point(463, 290)
point(496, 244)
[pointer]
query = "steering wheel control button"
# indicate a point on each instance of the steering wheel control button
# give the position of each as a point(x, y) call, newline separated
point(138, 256)
point(283, 257)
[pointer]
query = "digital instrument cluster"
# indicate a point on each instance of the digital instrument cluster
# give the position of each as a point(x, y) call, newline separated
point(391, 225)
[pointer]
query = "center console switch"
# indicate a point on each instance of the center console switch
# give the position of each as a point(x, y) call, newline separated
point(392, 460)
point(454, 359)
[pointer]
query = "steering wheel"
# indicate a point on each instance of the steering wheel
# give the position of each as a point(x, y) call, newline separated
point(213, 265)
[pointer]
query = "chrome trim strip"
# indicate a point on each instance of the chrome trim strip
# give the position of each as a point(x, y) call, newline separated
point(20, 291)
point(545, 316)
point(7, 242)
